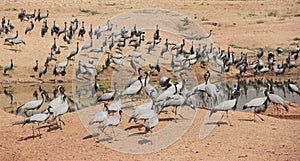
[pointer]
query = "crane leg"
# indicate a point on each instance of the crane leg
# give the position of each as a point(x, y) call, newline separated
point(61, 120)
point(275, 109)
point(293, 97)
point(151, 137)
point(175, 112)
point(32, 131)
point(99, 129)
point(113, 130)
point(220, 119)
point(98, 132)
point(228, 118)
point(254, 113)
point(39, 130)
point(259, 117)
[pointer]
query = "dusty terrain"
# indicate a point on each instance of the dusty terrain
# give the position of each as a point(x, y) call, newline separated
point(247, 25)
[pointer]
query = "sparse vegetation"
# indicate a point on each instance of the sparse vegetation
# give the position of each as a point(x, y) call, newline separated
point(239, 47)
point(180, 27)
point(186, 21)
point(251, 15)
point(204, 19)
point(297, 15)
point(294, 43)
point(260, 22)
point(296, 39)
point(110, 4)
point(89, 12)
point(10, 9)
point(272, 14)
point(105, 86)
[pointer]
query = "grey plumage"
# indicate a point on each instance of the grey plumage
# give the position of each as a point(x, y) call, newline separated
point(11, 37)
point(74, 52)
point(17, 41)
point(87, 45)
point(205, 36)
point(225, 106)
point(29, 28)
point(151, 123)
point(293, 87)
point(134, 88)
point(114, 107)
point(60, 109)
point(275, 99)
point(259, 105)
point(99, 117)
point(9, 66)
point(133, 64)
point(37, 118)
point(112, 121)
point(108, 96)
point(31, 105)
point(139, 110)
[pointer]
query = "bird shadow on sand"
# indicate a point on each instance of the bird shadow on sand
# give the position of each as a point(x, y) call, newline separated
point(7, 75)
point(144, 141)
point(90, 136)
point(108, 139)
point(137, 133)
point(93, 57)
point(29, 137)
point(44, 126)
point(173, 119)
point(15, 50)
point(54, 127)
point(138, 126)
point(216, 123)
point(249, 120)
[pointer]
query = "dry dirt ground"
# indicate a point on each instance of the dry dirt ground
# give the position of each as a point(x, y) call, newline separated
point(245, 24)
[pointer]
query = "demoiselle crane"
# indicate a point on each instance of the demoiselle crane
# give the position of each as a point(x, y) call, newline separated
point(225, 106)
point(31, 105)
point(113, 122)
point(259, 105)
point(276, 100)
point(108, 96)
point(37, 118)
point(150, 124)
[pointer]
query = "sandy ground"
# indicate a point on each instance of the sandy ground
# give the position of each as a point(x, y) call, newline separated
point(245, 24)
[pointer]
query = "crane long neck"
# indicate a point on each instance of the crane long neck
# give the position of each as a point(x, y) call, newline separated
point(147, 80)
point(43, 98)
point(175, 85)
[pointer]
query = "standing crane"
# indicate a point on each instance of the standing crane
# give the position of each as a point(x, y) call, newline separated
point(150, 124)
point(293, 88)
point(259, 105)
point(9, 66)
point(108, 96)
point(275, 99)
point(113, 122)
point(37, 118)
point(31, 105)
point(225, 106)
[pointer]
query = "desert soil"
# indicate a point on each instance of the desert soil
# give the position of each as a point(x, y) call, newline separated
point(246, 24)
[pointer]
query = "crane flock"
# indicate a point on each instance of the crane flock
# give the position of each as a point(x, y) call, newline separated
point(122, 44)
